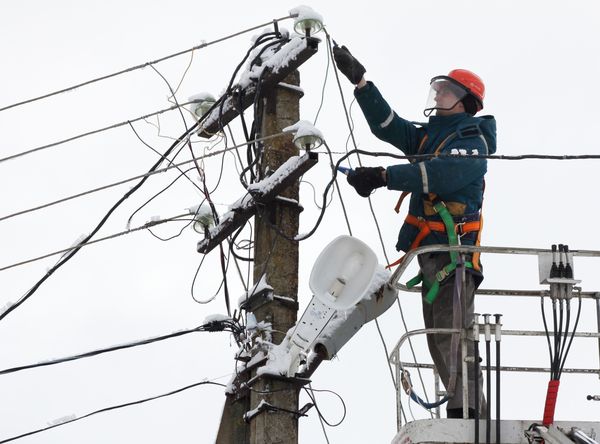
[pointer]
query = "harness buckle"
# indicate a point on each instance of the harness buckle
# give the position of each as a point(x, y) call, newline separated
point(441, 275)
point(458, 228)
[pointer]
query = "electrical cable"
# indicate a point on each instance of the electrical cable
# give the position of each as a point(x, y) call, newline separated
point(158, 194)
point(87, 241)
point(115, 407)
point(89, 133)
point(143, 65)
point(562, 364)
point(313, 398)
point(227, 326)
point(74, 251)
point(323, 89)
point(350, 123)
point(124, 181)
point(168, 160)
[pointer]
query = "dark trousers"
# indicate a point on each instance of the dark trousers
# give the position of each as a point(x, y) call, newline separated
point(440, 314)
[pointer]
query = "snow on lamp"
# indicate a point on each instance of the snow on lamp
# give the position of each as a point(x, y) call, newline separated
point(201, 104)
point(306, 22)
point(306, 135)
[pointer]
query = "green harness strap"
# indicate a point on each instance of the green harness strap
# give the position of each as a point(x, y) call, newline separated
point(434, 288)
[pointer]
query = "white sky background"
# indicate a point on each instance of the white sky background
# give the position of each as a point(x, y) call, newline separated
point(539, 61)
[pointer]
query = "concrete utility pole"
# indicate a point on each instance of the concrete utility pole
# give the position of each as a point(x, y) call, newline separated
point(277, 258)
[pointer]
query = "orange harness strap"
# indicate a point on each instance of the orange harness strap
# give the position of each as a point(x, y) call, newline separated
point(427, 226)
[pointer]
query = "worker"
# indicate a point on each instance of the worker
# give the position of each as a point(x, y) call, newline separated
point(447, 194)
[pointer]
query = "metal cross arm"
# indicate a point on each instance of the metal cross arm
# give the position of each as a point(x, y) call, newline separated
point(286, 60)
point(260, 193)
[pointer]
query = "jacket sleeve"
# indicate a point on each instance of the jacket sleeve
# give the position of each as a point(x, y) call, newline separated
point(385, 124)
point(442, 175)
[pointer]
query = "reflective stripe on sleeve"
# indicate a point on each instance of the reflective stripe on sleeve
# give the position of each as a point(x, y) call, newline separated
point(424, 177)
point(487, 151)
point(387, 121)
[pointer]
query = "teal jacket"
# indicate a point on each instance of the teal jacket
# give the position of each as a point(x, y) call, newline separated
point(456, 181)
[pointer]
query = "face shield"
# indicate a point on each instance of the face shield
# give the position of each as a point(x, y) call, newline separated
point(444, 94)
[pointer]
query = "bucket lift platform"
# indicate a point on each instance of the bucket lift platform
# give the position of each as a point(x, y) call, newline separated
point(512, 431)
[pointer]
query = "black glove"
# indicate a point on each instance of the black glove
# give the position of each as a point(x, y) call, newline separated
point(348, 65)
point(366, 179)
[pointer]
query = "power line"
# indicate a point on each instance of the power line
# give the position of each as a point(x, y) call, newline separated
point(350, 126)
point(143, 65)
point(141, 176)
point(100, 224)
point(115, 407)
point(90, 242)
point(89, 133)
point(226, 325)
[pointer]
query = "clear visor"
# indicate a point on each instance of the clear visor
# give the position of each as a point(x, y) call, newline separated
point(444, 94)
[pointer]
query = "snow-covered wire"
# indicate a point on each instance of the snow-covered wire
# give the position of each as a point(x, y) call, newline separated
point(209, 326)
point(131, 179)
point(89, 133)
point(143, 65)
point(87, 242)
point(115, 407)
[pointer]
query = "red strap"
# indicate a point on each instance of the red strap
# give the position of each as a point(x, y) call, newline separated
point(551, 396)
point(393, 264)
point(400, 200)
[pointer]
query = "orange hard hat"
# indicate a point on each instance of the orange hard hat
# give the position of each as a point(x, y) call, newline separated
point(471, 82)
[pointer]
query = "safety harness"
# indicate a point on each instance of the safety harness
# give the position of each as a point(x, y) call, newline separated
point(453, 230)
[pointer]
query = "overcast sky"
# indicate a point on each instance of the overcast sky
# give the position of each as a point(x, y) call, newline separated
point(539, 60)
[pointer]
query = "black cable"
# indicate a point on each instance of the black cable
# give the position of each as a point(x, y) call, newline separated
point(345, 156)
point(571, 338)
point(106, 409)
point(547, 333)
point(200, 328)
point(194, 281)
point(143, 65)
point(159, 154)
point(556, 345)
point(89, 133)
point(313, 398)
point(167, 239)
point(85, 243)
point(232, 245)
point(94, 231)
point(323, 88)
point(158, 194)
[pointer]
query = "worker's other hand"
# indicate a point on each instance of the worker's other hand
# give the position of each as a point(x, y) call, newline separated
point(347, 64)
point(366, 179)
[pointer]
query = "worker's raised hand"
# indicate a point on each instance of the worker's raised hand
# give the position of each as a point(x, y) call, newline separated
point(347, 64)
point(366, 179)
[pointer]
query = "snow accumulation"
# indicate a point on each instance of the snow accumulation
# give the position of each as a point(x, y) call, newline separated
point(380, 277)
point(305, 13)
point(81, 238)
point(259, 408)
point(201, 97)
point(201, 213)
point(304, 128)
point(278, 361)
point(257, 288)
point(216, 318)
point(271, 58)
point(267, 184)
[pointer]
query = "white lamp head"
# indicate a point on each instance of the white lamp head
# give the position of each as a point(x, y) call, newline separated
point(342, 273)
